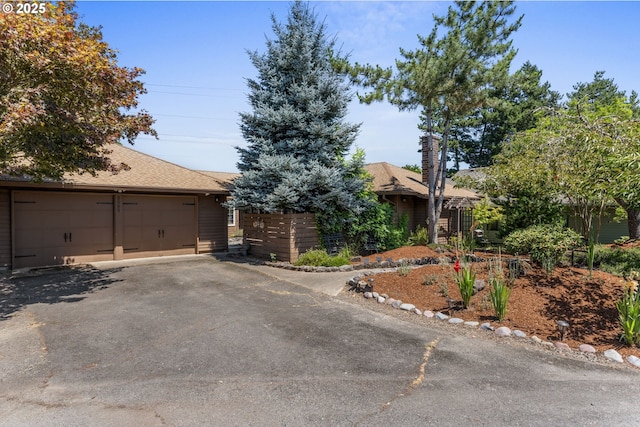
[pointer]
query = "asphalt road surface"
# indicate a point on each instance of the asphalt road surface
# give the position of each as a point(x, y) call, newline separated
point(196, 341)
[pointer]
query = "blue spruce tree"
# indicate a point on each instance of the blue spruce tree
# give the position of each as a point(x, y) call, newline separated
point(296, 135)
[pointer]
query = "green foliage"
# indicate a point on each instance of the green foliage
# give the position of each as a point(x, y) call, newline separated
point(413, 168)
point(621, 240)
point(629, 313)
point(485, 213)
point(63, 98)
point(468, 243)
point(479, 136)
point(544, 243)
point(320, 258)
point(377, 222)
point(549, 160)
point(499, 292)
point(420, 236)
point(618, 261)
point(523, 208)
point(297, 137)
point(468, 50)
point(465, 279)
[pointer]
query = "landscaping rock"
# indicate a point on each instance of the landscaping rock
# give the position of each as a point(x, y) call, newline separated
point(368, 295)
point(634, 360)
point(396, 304)
point(613, 355)
point(562, 346)
point(428, 313)
point(346, 268)
point(375, 295)
point(518, 333)
point(381, 299)
point(456, 320)
point(586, 348)
point(478, 285)
point(406, 307)
point(441, 316)
point(390, 301)
point(417, 311)
point(536, 339)
point(503, 331)
point(472, 324)
point(486, 327)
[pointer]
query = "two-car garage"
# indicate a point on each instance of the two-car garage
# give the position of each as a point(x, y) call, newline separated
point(68, 228)
point(154, 209)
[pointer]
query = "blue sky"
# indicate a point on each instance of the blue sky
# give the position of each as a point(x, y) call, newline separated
point(194, 54)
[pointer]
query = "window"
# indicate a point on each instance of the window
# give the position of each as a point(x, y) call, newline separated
point(231, 218)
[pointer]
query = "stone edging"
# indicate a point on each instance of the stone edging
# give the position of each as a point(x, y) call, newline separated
point(358, 283)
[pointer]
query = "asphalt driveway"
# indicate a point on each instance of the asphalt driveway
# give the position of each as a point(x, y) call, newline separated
point(197, 341)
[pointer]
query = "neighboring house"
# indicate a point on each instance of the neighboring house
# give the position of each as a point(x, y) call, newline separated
point(235, 216)
point(404, 190)
point(610, 229)
point(156, 208)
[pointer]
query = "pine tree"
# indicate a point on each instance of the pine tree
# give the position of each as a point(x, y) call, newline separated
point(296, 135)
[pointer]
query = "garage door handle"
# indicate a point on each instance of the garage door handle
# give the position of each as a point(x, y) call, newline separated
point(69, 236)
point(159, 233)
point(163, 233)
point(65, 237)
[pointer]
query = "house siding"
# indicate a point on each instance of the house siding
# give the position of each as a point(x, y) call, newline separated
point(5, 229)
point(212, 237)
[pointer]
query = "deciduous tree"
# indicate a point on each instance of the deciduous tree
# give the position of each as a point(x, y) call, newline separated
point(63, 97)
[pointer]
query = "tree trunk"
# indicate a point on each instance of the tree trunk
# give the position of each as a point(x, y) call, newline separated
point(633, 221)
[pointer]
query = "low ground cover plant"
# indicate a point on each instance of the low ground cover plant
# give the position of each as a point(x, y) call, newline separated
point(320, 258)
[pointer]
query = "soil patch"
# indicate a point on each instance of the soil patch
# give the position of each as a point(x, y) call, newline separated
point(537, 300)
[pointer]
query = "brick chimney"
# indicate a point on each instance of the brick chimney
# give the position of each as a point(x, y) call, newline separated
point(425, 157)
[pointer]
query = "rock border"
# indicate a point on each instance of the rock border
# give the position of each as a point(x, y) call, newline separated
point(359, 284)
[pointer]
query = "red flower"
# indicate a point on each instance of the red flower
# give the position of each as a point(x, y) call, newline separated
point(456, 267)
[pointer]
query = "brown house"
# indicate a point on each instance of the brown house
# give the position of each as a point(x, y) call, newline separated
point(156, 208)
point(235, 216)
point(404, 190)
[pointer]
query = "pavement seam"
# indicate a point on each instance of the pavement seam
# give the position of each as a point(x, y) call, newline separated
point(420, 378)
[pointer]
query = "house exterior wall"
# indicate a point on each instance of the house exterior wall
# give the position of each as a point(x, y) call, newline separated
point(212, 237)
point(5, 229)
point(609, 229)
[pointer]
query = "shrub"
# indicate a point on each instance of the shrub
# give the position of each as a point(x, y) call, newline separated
point(320, 258)
point(544, 243)
point(618, 261)
point(420, 236)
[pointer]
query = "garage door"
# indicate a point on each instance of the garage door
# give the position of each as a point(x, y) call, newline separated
point(53, 228)
point(154, 225)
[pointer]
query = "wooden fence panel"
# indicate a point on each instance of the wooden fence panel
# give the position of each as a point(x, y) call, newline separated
point(285, 235)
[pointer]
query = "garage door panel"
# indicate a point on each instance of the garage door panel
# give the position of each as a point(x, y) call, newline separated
point(158, 225)
point(52, 228)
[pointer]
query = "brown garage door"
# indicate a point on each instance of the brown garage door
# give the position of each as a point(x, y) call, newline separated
point(53, 228)
point(154, 225)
